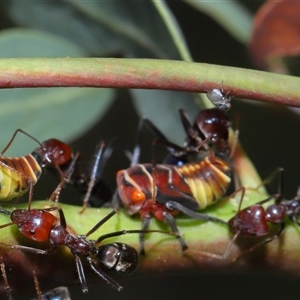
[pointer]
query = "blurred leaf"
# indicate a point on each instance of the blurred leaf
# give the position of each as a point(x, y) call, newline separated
point(161, 107)
point(174, 29)
point(275, 33)
point(231, 15)
point(131, 28)
point(62, 113)
point(32, 43)
point(45, 113)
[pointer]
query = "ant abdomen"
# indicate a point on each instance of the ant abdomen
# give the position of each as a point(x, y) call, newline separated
point(118, 257)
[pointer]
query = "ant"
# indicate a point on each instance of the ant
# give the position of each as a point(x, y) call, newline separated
point(41, 225)
point(219, 99)
point(257, 220)
point(164, 190)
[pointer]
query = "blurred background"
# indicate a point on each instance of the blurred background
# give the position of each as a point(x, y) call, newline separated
point(268, 132)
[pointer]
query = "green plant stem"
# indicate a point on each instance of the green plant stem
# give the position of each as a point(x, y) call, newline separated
point(149, 74)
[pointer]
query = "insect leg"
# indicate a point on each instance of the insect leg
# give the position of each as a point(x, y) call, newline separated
point(36, 281)
point(266, 241)
point(169, 218)
point(81, 274)
point(145, 225)
point(171, 205)
point(104, 276)
point(4, 275)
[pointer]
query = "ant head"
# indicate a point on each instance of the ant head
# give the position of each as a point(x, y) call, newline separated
point(130, 191)
point(35, 224)
point(250, 221)
point(214, 122)
point(118, 257)
point(55, 152)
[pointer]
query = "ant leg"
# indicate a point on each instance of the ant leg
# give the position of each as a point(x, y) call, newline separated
point(104, 276)
point(122, 232)
point(6, 284)
point(266, 241)
point(100, 223)
point(62, 218)
point(29, 249)
point(278, 172)
point(218, 256)
point(169, 218)
point(6, 225)
point(171, 205)
point(81, 274)
point(36, 281)
point(242, 190)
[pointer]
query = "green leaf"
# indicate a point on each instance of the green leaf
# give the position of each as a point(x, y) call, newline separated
point(32, 43)
point(131, 28)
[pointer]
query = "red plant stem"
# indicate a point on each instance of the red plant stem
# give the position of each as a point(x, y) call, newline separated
point(148, 74)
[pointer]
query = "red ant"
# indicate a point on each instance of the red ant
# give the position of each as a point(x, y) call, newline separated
point(255, 220)
point(164, 190)
point(19, 174)
point(41, 225)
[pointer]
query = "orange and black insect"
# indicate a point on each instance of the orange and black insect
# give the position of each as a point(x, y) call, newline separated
point(19, 174)
point(190, 186)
